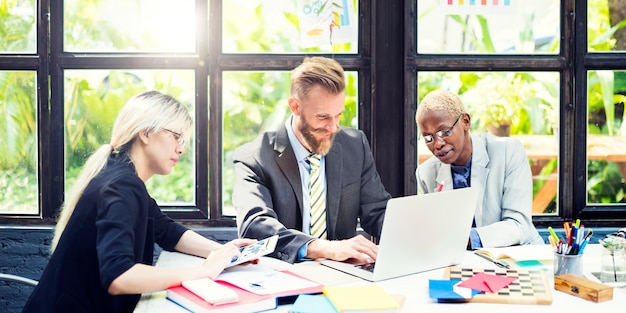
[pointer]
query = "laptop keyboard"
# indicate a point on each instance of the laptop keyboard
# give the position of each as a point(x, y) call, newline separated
point(367, 266)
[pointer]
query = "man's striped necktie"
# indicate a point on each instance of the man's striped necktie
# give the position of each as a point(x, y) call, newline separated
point(317, 196)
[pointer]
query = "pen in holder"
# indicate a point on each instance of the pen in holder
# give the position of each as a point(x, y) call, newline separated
point(568, 252)
point(568, 264)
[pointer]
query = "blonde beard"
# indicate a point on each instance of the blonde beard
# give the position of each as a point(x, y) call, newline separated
point(308, 134)
point(325, 146)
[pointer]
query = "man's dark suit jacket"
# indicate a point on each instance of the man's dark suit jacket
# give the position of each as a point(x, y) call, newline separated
point(268, 191)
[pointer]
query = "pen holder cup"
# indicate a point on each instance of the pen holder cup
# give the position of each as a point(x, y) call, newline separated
point(568, 264)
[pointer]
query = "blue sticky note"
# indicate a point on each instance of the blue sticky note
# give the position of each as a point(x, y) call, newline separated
point(306, 303)
point(445, 290)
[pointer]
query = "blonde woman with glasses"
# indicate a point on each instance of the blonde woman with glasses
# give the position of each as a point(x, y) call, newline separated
point(102, 249)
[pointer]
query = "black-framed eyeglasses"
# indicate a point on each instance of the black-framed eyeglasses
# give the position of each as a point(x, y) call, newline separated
point(428, 139)
point(177, 136)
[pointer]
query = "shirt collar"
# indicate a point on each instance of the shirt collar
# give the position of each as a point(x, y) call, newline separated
point(462, 169)
point(298, 149)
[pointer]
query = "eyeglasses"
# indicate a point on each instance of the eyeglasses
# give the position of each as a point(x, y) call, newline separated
point(177, 136)
point(429, 139)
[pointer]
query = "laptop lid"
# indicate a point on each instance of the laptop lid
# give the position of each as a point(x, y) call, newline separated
point(420, 233)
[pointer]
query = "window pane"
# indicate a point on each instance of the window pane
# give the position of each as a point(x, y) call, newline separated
point(17, 29)
point(255, 26)
point(606, 139)
point(92, 102)
point(523, 104)
point(18, 141)
point(129, 26)
point(607, 22)
point(490, 27)
point(255, 102)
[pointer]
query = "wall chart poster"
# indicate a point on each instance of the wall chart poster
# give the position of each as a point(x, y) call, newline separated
point(478, 6)
point(327, 22)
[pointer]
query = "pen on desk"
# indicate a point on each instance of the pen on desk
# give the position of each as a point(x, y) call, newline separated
point(501, 264)
point(496, 262)
point(264, 282)
point(256, 285)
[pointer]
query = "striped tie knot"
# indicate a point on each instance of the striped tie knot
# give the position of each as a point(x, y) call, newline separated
point(314, 160)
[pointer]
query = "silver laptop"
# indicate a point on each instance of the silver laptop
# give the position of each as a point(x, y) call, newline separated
point(420, 233)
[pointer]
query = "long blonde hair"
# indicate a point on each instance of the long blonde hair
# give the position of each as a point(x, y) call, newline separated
point(148, 112)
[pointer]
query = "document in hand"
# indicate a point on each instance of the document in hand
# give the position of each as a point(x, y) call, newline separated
point(248, 302)
point(254, 251)
point(368, 298)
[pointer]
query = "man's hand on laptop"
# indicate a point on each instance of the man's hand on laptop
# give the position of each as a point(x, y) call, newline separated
point(358, 249)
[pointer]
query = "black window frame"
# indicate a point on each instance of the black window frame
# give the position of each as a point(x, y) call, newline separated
point(208, 63)
point(572, 63)
point(387, 63)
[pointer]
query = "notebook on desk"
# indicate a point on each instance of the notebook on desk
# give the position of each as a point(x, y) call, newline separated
point(420, 233)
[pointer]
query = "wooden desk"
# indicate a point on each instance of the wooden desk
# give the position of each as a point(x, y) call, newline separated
point(415, 288)
point(541, 149)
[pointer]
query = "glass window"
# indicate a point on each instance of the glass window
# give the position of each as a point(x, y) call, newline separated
point(18, 141)
point(129, 26)
point(519, 104)
point(491, 27)
point(446, 44)
point(255, 102)
point(255, 26)
point(17, 29)
point(159, 43)
point(93, 100)
point(607, 22)
point(606, 137)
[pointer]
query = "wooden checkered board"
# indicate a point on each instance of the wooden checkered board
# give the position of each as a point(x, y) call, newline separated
point(530, 287)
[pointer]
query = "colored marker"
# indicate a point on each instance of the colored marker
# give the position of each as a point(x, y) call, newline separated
point(552, 243)
point(567, 229)
point(556, 238)
point(582, 247)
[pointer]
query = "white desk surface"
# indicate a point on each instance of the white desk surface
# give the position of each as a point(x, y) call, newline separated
point(413, 287)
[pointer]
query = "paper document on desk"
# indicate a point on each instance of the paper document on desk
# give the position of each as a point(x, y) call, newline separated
point(266, 281)
point(527, 257)
point(519, 253)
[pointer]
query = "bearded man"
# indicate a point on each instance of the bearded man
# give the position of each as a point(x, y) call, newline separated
point(276, 176)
